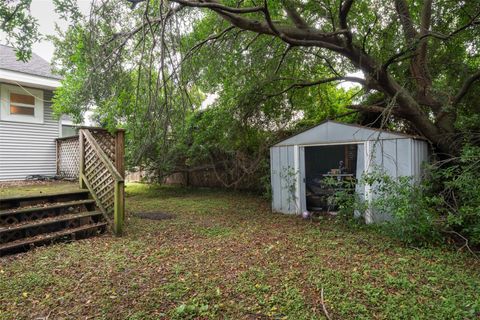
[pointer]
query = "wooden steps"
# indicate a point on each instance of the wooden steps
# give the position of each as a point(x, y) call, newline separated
point(28, 221)
point(23, 201)
point(68, 234)
point(22, 214)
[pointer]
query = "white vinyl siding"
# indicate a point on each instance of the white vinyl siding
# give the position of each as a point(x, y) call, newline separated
point(29, 148)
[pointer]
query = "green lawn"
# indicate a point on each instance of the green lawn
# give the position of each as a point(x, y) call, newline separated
point(225, 255)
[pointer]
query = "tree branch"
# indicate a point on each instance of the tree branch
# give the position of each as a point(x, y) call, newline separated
point(327, 61)
point(305, 84)
point(11, 16)
point(211, 38)
point(293, 41)
point(472, 22)
point(344, 10)
point(465, 87)
point(289, 34)
point(289, 47)
point(401, 6)
point(294, 16)
point(218, 6)
point(421, 59)
point(369, 31)
point(369, 108)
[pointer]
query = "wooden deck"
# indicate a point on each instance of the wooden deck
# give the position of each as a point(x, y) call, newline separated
point(31, 188)
point(41, 213)
point(34, 212)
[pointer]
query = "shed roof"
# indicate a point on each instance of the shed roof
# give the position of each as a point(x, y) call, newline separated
point(35, 66)
point(330, 131)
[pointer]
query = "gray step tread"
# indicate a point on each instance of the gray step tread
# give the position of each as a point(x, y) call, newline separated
point(47, 221)
point(45, 195)
point(45, 207)
point(49, 236)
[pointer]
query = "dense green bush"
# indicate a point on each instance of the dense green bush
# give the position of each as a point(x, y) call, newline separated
point(458, 185)
point(409, 210)
point(446, 203)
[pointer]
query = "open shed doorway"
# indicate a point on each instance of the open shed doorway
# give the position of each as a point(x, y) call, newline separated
point(324, 163)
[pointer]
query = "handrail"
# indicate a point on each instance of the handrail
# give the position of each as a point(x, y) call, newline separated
point(103, 194)
point(67, 138)
point(103, 157)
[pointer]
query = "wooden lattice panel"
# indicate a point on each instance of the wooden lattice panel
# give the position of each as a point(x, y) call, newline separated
point(93, 157)
point(99, 178)
point(106, 142)
point(67, 157)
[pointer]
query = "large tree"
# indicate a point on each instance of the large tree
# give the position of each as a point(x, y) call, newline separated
point(396, 64)
point(133, 80)
point(420, 58)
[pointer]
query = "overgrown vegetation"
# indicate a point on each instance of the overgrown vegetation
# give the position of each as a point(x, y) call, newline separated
point(275, 67)
point(457, 186)
point(268, 83)
point(230, 136)
point(225, 255)
point(445, 204)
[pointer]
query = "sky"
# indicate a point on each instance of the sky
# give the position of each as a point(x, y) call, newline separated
point(44, 12)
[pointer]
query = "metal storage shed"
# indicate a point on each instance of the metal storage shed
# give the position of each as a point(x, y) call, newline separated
point(313, 152)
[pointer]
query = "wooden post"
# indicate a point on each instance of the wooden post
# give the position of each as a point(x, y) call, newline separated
point(120, 152)
point(120, 193)
point(57, 148)
point(119, 207)
point(81, 159)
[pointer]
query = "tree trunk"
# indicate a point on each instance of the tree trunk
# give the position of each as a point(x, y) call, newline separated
point(439, 134)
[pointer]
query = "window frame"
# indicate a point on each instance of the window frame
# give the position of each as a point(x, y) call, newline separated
point(38, 107)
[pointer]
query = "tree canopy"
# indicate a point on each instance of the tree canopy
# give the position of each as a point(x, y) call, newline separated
point(420, 58)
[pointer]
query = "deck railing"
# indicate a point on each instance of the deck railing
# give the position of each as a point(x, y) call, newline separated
point(99, 167)
point(67, 157)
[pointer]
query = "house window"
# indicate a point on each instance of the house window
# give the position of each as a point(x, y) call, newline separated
point(21, 104)
point(26, 111)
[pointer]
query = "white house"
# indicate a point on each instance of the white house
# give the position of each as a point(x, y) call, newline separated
point(28, 128)
point(343, 151)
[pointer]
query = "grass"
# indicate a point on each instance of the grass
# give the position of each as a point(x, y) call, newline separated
point(225, 255)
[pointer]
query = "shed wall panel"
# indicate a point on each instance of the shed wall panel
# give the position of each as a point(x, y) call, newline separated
point(281, 163)
point(389, 156)
point(292, 203)
point(283, 185)
point(404, 157)
point(360, 188)
point(420, 157)
point(29, 148)
point(275, 178)
point(301, 173)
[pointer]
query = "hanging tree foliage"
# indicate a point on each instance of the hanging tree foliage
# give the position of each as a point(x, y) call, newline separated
point(420, 58)
point(134, 80)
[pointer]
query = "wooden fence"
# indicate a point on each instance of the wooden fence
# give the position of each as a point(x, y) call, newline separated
point(96, 158)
